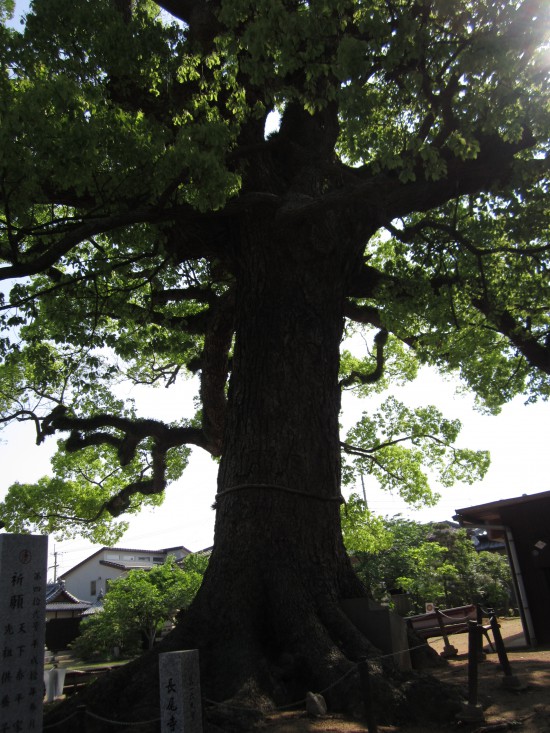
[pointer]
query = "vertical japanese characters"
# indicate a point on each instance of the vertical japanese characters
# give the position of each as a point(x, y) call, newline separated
point(23, 568)
point(180, 692)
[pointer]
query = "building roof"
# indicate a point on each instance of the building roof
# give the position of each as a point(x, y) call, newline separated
point(95, 607)
point(57, 593)
point(491, 513)
point(165, 551)
point(80, 606)
point(113, 564)
point(58, 598)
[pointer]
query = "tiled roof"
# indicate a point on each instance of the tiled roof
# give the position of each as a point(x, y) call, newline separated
point(80, 606)
point(113, 564)
point(95, 607)
point(131, 565)
point(56, 591)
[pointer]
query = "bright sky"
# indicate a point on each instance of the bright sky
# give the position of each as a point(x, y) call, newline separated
point(518, 440)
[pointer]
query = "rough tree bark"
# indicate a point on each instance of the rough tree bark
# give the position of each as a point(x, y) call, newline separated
point(279, 565)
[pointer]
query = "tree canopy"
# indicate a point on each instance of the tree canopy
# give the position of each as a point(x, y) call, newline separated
point(138, 605)
point(134, 146)
point(153, 226)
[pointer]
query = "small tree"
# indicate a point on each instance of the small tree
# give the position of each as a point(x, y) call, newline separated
point(381, 548)
point(432, 562)
point(493, 581)
point(138, 605)
point(432, 575)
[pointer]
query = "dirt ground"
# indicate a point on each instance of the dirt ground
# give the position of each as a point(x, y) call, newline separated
point(526, 710)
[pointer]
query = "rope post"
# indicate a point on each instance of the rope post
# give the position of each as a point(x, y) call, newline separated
point(471, 711)
point(364, 677)
point(510, 681)
point(449, 650)
point(480, 653)
point(81, 718)
point(473, 646)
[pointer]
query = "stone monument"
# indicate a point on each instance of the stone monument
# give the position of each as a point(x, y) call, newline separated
point(23, 570)
point(180, 692)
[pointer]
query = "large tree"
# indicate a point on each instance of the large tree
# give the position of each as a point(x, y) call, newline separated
point(148, 218)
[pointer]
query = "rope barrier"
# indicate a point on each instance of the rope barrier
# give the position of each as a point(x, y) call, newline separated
point(276, 487)
point(102, 719)
point(243, 708)
point(121, 722)
point(456, 619)
point(60, 722)
point(325, 690)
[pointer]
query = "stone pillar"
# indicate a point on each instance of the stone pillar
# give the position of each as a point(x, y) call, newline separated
point(23, 570)
point(180, 692)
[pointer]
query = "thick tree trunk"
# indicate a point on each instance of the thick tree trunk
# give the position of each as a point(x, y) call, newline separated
point(279, 567)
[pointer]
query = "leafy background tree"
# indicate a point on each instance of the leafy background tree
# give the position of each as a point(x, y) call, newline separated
point(432, 563)
point(151, 229)
point(137, 606)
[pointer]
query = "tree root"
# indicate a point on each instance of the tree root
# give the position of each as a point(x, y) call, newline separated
point(269, 664)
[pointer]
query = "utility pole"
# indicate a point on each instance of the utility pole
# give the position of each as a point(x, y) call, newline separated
point(54, 566)
point(364, 492)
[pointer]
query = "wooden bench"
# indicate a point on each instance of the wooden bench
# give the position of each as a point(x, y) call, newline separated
point(446, 622)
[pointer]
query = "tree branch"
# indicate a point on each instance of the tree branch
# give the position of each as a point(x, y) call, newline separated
point(408, 234)
point(200, 18)
point(380, 341)
point(177, 295)
point(134, 432)
point(86, 432)
point(537, 354)
point(21, 416)
point(38, 261)
point(214, 365)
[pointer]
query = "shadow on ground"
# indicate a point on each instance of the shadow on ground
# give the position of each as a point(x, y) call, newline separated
point(526, 709)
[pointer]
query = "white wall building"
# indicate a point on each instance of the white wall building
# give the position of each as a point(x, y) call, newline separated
point(91, 577)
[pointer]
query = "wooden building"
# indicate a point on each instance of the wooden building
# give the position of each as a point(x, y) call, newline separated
point(63, 616)
point(523, 523)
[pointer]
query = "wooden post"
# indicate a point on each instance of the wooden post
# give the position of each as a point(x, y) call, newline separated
point(510, 681)
point(473, 645)
point(471, 711)
point(367, 697)
point(449, 650)
point(480, 653)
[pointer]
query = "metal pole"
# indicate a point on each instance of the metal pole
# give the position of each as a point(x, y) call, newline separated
point(364, 492)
